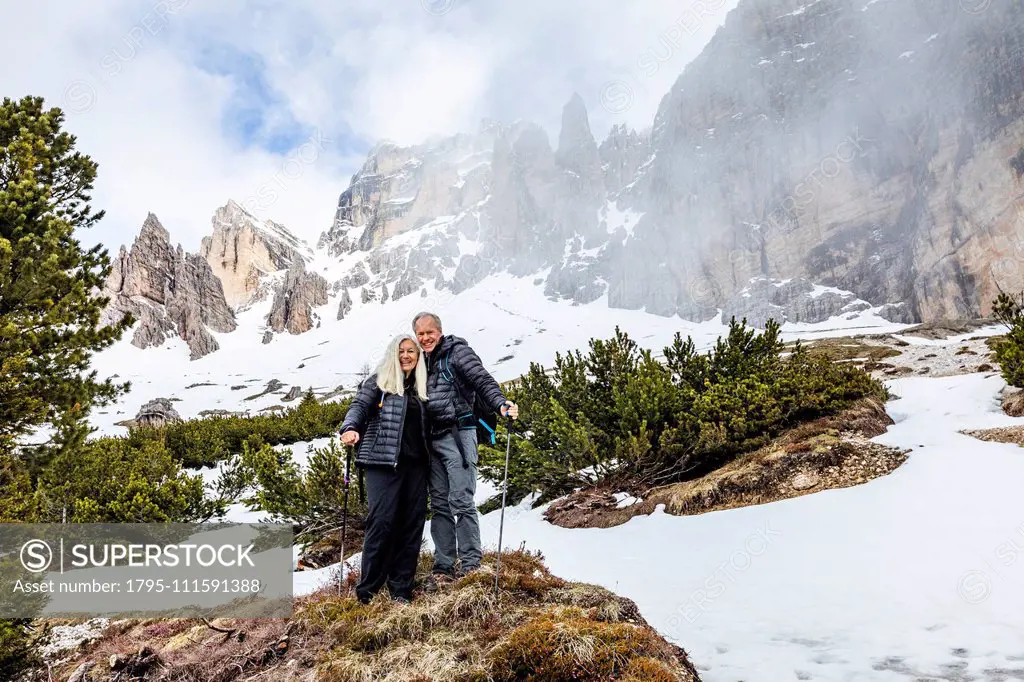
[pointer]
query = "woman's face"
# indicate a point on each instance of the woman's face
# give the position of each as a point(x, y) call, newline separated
point(408, 355)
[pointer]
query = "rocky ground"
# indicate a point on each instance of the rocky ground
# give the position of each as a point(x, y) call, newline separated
point(538, 628)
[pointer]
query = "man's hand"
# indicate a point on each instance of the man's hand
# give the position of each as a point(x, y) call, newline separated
point(350, 438)
point(510, 409)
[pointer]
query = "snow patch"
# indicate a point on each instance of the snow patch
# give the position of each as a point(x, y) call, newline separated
point(624, 500)
point(800, 10)
point(616, 218)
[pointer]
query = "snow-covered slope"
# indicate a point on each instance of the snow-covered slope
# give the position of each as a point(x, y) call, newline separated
point(506, 319)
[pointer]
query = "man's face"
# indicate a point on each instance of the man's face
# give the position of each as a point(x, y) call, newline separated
point(427, 333)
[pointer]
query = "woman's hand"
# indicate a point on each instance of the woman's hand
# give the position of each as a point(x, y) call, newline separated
point(350, 438)
point(510, 409)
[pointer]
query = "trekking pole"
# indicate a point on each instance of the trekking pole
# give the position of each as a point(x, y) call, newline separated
point(344, 520)
point(501, 524)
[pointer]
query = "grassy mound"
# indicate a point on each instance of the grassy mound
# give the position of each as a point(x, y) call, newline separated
point(540, 628)
point(830, 452)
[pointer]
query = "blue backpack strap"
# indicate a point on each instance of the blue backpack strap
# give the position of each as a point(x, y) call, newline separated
point(489, 430)
point(446, 369)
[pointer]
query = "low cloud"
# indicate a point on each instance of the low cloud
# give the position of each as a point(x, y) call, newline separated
point(164, 126)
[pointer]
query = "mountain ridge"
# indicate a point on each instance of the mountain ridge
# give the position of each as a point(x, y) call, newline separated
point(807, 143)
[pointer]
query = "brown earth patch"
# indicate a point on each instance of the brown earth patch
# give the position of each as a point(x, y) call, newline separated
point(831, 452)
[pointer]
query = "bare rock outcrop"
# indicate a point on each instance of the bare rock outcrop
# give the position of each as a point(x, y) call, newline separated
point(168, 292)
point(292, 309)
point(344, 304)
point(157, 414)
point(243, 249)
point(795, 300)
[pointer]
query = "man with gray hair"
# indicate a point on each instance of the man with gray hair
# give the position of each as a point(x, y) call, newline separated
point(456, 379)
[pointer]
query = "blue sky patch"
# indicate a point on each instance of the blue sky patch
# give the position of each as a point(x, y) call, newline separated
point(256, 115)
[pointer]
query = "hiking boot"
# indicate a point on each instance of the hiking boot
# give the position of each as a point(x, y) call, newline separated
point(436, 580)
point(463, 572)
point(401, 599)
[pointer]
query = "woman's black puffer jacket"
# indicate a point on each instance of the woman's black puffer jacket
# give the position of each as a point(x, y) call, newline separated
point(379, 420)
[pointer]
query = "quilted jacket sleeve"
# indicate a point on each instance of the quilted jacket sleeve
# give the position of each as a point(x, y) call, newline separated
point(362, 407)
point(472, 373)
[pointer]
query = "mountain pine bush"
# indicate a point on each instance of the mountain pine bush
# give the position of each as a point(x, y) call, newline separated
point(204, 442)
point(113, 480)
point(1009, 351)
point(618, 411)
point(312, 499)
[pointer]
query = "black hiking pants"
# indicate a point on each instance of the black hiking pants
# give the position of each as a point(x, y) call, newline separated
point(397, 500)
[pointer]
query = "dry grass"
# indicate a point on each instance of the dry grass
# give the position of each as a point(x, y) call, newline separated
point(943, 329)
point(540, 627)
point(850, 349)
point(1013, 402)
point(832, 452)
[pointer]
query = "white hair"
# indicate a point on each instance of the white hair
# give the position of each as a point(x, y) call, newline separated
point(391, 378)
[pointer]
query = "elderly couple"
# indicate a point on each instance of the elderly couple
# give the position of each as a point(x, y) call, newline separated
point(414, 427)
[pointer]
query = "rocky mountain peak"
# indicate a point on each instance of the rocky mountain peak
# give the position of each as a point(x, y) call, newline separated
point(153, 231)
point(243, 249)
point(577, 149)
point(168, 292)
point(399, 189)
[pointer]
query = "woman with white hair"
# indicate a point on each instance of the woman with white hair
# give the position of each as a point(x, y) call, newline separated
point(388, 420)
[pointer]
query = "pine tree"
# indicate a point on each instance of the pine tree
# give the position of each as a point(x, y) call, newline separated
point(1009, 351)
point(49, 302)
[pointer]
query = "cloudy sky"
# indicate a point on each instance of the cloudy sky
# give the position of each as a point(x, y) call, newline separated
point(187, 103)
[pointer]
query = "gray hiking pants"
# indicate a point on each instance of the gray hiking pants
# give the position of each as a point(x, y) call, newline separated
point(454, 522)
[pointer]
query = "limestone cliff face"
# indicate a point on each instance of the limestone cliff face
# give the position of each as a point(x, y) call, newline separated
point(242, 250)
point(872, 147)
point(623, 152)
point(862, 145)
point(168, 291)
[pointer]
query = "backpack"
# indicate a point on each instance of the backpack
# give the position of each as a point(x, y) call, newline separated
point(486, 419)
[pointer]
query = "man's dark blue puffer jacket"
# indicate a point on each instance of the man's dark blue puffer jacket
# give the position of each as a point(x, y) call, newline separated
point(453, 357)
point(379, 423)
